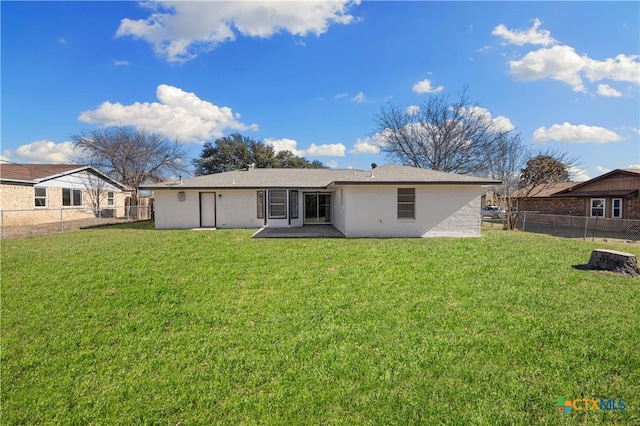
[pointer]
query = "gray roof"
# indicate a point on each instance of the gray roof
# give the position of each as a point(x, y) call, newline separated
point(394, 174)
point(319, 178)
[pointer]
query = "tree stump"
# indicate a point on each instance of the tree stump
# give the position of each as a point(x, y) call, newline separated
point(616, 261)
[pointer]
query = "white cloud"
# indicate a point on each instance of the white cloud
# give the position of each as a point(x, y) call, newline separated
point(179, 30)
point(620, 68)
point(533, 35)
point(602, 170)
point(325, 150)
point(606, 90)
point(341, 95)
point(118, 63)
point(360, 98)
point(179, 114)
point(424, 86)
point(284, 144)
point(413, 109)
point(577, 174)
point(365, 146)
point(61, 40)
point(500, 123)
point(564, 64)
point(332, 164)
point(42, 151)
point(633, 166)
point(571, 133)
point(558, 62)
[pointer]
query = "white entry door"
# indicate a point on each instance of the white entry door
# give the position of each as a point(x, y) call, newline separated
point(207, 209)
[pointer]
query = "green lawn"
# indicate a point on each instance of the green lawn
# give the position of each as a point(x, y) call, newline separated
point(128, 325)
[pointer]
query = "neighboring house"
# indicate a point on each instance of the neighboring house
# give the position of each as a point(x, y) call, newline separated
point(540, 200)
point(389, 201)
point(611, 195)
point(41, 193)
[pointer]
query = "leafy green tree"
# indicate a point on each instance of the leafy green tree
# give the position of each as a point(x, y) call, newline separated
point(235, 152)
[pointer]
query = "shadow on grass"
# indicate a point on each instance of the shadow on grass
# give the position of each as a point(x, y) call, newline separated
point(141, 225)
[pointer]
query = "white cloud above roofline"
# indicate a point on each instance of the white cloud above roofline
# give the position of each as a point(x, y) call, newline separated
point(41, 151)
point(323, 150)
point(179, 115)
point(572, 133)
point(179, 31)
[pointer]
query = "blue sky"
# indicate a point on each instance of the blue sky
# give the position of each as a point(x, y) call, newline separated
point(311, 76)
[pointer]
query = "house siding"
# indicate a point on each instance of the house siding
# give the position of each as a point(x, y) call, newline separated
point(632, 206)
point(18, 204)
point(451, 210)
point(563, 206)
point(234, 209)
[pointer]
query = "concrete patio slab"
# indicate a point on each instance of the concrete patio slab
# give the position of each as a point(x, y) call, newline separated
point(309, 231)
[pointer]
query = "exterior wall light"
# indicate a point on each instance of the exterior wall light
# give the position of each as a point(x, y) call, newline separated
point(181, 196)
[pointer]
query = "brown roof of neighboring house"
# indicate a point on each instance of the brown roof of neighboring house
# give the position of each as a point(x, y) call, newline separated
point(543, 191)
point(604, 176)
point(34, 172)
point(319, 178)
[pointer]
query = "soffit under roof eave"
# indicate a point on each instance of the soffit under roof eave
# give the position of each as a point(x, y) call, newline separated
point(603, 193)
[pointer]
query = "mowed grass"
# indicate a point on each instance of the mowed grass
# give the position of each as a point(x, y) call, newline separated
point(128, 325)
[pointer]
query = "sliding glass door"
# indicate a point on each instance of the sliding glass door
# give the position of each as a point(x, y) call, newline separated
point(317, 207)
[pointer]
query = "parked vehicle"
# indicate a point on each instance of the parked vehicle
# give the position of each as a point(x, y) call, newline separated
point(492, 212)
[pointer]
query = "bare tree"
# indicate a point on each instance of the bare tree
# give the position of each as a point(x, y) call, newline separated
point(131, 156)
point(443, 134)
point(96, 190)
point(524, 173)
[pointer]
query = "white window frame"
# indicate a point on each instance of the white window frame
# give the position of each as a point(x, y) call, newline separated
point(72, 198)
point(603, 208)
point(614, 208)
point(37, 197)
point(277, 209)
point(111, 198)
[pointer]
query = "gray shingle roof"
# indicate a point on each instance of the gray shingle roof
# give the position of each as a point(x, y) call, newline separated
point(395, 174)
point(319, 178)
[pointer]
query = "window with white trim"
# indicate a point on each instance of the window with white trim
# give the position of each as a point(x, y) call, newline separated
point(71, 197)
point(597, 207)
point(616, 208)
point(278, 204)
point(40, 197)
point(111, 198)
point(406, 203)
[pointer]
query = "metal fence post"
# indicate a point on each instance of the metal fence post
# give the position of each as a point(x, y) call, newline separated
point(586, 227)
point(2, 216)
point(524, 221)
point(61, 220)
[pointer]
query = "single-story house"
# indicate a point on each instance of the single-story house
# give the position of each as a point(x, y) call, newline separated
point(388, 201)
point(614, 195)
point(39, 193)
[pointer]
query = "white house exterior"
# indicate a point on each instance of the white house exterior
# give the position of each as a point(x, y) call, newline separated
point(389, 201)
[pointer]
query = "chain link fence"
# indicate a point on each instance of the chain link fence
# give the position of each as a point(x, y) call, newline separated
point(580, 226)
point(23, 223)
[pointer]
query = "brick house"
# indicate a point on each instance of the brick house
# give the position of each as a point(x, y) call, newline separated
point(41, 193)
point(615, 195)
